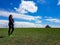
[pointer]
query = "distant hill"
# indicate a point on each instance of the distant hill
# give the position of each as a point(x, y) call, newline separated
point(47, 26)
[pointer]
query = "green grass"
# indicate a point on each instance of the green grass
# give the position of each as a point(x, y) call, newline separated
point(30, 36)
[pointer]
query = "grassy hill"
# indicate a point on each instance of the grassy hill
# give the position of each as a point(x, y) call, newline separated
point(30, 36)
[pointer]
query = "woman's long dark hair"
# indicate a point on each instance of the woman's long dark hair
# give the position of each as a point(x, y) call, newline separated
point(10, 16)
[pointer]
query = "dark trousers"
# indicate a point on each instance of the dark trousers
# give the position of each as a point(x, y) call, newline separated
point(11, 29)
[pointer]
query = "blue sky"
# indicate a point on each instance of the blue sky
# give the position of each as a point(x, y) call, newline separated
point(30, 13)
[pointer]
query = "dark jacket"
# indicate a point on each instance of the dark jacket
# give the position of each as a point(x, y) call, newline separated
point(11, 21)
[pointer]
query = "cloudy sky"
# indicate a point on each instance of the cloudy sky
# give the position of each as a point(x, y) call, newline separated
point(30, 13)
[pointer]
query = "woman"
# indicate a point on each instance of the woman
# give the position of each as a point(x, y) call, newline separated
point(11, 25)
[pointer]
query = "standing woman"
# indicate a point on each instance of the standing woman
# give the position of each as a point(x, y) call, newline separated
point(11, 25)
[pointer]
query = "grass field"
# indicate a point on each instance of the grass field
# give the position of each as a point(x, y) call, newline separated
point(30, 36)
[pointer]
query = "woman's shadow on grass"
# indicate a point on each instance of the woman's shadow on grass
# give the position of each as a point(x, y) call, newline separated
point(2, 36)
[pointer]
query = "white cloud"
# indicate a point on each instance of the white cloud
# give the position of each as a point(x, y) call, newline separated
point(53, 20)
point(41, 1)
point(55, 26)
point(27, 24)
point(27, 6)
point(4, 24)
point(36, 19)
point(58, 2)
point(19, 16)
